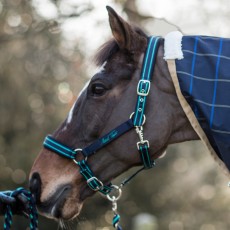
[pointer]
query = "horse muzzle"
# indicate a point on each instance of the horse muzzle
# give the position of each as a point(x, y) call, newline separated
point(59, 204)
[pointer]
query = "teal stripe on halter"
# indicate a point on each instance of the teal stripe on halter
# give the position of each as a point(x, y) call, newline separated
point(143, 89)
point(147, 55)
point(147, 71)
point(59, 145)
point(116, 220)
point(59, 148)
point(93, 182)
point(153, 55)
point(144, 99)
point(145, 156)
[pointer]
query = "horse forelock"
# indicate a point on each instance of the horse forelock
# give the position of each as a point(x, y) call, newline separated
point(105, 52)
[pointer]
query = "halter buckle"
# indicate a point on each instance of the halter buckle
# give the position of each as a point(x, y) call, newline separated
point(98, 181)
point(143, 87)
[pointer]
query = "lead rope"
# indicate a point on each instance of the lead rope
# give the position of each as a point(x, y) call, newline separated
point(114, 199)
point(32, 211)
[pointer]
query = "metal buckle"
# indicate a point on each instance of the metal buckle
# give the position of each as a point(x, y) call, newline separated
point(142, 92)
point(142, 143)
point(98, 187)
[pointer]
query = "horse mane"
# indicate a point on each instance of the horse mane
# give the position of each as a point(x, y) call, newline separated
point(111, 47)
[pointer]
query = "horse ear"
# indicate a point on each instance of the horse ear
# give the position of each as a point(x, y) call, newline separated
point(121, 30)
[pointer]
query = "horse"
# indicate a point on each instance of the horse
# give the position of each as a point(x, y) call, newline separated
point(106, 101)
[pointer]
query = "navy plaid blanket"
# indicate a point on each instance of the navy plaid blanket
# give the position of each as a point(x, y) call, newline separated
point(204, 79)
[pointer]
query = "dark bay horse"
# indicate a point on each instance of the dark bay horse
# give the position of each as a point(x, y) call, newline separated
point(106, 101)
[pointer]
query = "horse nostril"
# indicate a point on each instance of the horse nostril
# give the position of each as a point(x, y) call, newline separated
point(35, 186)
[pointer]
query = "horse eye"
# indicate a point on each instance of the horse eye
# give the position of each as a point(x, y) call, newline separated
point(98, 89)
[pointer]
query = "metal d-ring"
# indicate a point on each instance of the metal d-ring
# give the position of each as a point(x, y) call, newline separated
point(131, 116)
point(144, 119)
point(115, 198)
point(78, 150)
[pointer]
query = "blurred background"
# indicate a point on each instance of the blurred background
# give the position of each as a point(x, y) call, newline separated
point(45, 50)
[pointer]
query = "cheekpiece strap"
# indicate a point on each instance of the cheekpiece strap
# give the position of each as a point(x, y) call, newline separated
point(143, 89)
point(143, 86)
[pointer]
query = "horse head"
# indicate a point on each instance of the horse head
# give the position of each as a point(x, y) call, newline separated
point(106, 101)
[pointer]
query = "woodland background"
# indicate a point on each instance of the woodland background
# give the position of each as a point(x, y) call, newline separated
point(45, 50)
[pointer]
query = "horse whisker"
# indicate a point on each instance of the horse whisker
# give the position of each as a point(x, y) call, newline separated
point(61, 224)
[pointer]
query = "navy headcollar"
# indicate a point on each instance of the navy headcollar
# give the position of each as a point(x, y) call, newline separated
point(136, 120)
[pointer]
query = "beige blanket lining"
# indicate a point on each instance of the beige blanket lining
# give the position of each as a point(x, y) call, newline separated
point(191, 116)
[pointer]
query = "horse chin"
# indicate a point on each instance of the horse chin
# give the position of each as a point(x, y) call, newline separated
point(69, 211)
point(61, 205)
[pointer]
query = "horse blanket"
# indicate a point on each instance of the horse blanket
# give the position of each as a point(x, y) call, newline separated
point(200, 69)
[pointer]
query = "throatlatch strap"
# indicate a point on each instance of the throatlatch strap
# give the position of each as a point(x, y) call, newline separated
point(145, 156)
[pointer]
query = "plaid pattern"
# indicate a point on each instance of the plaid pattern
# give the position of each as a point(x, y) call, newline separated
point(204, 78)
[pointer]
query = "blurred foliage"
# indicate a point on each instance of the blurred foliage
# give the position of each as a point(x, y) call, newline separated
point(35, 93)
point(40, 74)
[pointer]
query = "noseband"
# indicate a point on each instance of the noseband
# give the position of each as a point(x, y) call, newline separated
point(136, 120)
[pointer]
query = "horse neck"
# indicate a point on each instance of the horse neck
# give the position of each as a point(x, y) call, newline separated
point(172, 120)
